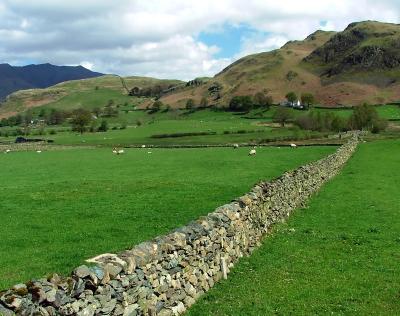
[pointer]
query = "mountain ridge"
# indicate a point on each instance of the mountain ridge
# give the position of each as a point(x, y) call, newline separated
point(14, 78)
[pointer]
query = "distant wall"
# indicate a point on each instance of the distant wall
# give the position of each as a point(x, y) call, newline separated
point(165, 276)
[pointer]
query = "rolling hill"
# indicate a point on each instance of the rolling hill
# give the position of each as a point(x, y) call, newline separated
point(360, 64)
point(89, 93)
point(14, 78)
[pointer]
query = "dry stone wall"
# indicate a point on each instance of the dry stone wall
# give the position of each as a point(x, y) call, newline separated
point(167, 275)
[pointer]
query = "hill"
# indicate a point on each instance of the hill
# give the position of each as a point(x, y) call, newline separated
point(81, 93)
point(365, 52)
point(346, 68)
point(13, 78)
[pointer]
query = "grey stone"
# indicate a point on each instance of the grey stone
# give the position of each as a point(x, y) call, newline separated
point(113, 270)
point(131, 310)
point(87, 311)
point(108, 307)
point(82, 271)
point(6, 312)
point(51, 295)
point(20, 289)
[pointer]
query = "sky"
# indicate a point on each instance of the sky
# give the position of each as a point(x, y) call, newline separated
point(180, 39)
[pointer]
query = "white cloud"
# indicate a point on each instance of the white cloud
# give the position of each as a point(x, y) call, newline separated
point(87, 65)
point(159, 38)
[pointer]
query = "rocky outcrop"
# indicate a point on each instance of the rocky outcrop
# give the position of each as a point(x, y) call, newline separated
point(363, 47)
point(167, 275)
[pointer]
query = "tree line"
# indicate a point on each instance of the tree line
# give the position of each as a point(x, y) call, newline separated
point(363, 117)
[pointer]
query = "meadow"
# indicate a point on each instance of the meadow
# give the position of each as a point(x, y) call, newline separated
point(140, 126)
point(59, 208)
point(339, 256)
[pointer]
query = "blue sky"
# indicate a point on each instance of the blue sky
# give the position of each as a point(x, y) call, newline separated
point(180, 39)
point(227, 38)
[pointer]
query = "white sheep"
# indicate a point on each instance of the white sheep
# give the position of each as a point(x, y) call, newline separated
point(38, 151)
point(114, 151)
point(149, 152)
point(293, 145)
point(235, 146)
point(7, 151)
point(252, 152)
point(120, 152)
point(143, 146)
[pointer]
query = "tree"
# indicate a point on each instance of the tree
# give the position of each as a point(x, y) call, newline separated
point(103, 126)
point(291, 97)
point(241, 103)
point(109, 110)
point(28, 117)
point(189, 104)
point(156, 106)
point(262, 100)
point(42, 113)
point(307, 99)
point(18, 119)
point(270, 101)
point(96, 111)
point(56, 117)
point(81, 118)
point(366, 117)
point(203, 102)
point(282, 115)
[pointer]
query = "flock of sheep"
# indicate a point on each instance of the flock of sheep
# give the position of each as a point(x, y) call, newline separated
point(252, 152)
point(116, 151)
point(7, 151)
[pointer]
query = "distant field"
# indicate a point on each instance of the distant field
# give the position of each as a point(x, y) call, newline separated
point(229, 128)
point(340, 256)
point(226, 127)
point(58, 208)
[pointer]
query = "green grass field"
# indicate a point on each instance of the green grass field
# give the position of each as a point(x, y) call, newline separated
point(339, 256)
point(240, 129)
point(253, 126)
point(58, 208)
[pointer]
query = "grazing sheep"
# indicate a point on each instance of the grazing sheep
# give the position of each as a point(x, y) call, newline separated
point(114, 151)
point(143, 146)
point(293, 145)
point(252, 152)
point(7, 151)
point(38, 151)
point(120, 152)
point(149, 152)
point(235, 146)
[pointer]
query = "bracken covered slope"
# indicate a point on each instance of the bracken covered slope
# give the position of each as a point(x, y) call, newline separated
point(360, 64)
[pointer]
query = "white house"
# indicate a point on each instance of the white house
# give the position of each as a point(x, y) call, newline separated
point(295, 105)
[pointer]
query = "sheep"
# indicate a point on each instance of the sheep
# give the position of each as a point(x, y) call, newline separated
point(38, 151)
point(143, 146)
point(293, 145)
point(149, 152)
point(252, 152)
point(235, 146)
point(114, 151)
point(7, 151)
point(120, 152)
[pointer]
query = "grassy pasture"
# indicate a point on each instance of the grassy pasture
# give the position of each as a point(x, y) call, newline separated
point(339, 256)
point(220, 123)
point(228, 127)
point(58, 208)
